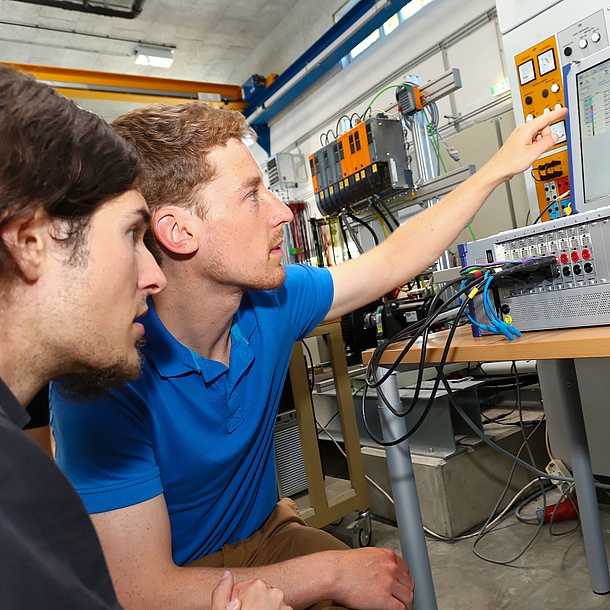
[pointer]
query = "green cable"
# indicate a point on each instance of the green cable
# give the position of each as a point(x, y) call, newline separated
point(373, 100)
point(337, 413)
point(358, 390)
point(438, 149)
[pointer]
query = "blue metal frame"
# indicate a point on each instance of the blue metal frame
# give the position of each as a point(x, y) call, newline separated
point(326, 64)
point(263, 137)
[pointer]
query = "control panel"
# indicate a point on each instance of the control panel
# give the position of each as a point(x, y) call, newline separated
point(541, 90)
point(543, 38)
point(583, 38)
point(580, 296)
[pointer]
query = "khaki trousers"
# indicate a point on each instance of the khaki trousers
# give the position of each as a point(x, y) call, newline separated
point(283, 536)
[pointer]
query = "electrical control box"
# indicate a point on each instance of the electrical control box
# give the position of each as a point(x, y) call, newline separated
point(580, 296)
point(284, 171)
point(409, 99)
point(541, 40)
point(369, 159)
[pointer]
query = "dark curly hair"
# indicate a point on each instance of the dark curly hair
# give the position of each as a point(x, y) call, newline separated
point(58, 156)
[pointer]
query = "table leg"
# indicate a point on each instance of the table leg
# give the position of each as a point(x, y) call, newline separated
point(562, 375)
point(406, 501)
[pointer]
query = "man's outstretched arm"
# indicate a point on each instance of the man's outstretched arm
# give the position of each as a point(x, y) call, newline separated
point(418, 243)
point(137, 545)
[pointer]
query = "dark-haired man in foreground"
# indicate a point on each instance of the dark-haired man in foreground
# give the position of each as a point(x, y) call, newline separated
point(74, 277)
point(178, 467)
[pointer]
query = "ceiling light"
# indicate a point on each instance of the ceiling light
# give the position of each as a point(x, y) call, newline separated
point(160, 57)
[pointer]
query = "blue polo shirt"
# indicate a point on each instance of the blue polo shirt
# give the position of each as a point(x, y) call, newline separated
point(191, 428)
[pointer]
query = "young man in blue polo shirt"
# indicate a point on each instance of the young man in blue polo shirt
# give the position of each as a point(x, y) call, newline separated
point(178, 468)
point(74, 277)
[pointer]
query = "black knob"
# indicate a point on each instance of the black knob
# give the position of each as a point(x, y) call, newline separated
point(567, 51)
point(528, 100)
point(545, 93)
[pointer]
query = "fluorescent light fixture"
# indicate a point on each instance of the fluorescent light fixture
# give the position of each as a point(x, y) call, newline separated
point(160, 57)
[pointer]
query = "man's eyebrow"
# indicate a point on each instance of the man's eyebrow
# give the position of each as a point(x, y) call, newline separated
point(249, 183)
point(143, 214)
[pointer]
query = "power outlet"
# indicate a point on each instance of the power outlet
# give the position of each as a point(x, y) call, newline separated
point(558, 468)
point(554, 211)
point(563, 185)
point(550, 191)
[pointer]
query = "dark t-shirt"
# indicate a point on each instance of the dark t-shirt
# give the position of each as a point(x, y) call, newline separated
point(50, 556)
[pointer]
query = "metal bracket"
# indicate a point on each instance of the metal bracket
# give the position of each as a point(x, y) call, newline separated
point(441, 86)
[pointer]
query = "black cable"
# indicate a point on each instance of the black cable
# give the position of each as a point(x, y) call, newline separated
point(341, 221)
point(351, 119)
point(370, 229)
point(358, 244)
point(527, 466)
point(316, 239)
point(543, 211)
point(422, 327)
point(428, 406)
point(381, 214)
point(389, 212)
point(415, 329)
point(310, 380)
point(339, 122)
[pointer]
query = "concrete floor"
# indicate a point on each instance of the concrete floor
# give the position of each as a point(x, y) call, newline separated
point(551, 574)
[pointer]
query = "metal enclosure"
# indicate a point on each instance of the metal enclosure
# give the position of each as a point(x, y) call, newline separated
point(540, 38)
point(284, 171)
point(581, 294)
point(291, 477)
point(369, 159)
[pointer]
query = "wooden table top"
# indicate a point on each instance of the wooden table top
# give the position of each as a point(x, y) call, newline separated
point(592, 342)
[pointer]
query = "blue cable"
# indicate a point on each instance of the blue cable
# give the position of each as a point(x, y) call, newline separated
point(486, 327)
point(504, 328)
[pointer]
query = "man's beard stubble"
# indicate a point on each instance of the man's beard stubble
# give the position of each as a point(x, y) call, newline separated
point(97, 381)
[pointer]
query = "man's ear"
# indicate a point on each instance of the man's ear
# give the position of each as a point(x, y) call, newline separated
point(26, 238)
point(173, 229)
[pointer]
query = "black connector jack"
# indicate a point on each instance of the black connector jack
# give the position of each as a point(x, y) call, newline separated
point(530, 271)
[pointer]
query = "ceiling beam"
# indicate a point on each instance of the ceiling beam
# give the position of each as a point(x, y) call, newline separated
point(143, 98)
point(340, 39)
point(132, 84)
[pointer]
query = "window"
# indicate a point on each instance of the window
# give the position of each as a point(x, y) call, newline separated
point(365, 44)
point(387, 28)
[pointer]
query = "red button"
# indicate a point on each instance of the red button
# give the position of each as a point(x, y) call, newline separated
point(575, 256)
point(564, 258)
point(586, 254)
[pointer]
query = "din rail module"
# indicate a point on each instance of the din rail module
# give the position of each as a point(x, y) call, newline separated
point(580, 296)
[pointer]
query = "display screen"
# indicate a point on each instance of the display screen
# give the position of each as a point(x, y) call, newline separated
point(593, 86)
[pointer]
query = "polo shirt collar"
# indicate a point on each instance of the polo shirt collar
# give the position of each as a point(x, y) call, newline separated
point(12, 407)
point(172, 359)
